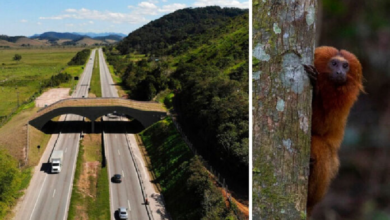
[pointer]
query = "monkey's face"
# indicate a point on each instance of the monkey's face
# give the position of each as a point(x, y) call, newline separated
point(339, 68)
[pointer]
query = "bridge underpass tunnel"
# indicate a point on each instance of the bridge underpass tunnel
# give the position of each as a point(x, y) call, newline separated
point(120, 123)
point(111, 124)
point(67, 123)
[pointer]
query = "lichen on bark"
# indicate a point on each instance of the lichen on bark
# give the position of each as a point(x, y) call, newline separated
point(283, 32)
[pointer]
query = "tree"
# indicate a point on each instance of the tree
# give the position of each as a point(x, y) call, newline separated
point(10, 180)
point(283, 40)
point(17, 57)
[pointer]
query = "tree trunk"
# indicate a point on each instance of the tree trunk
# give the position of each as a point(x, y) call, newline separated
point(283, 40)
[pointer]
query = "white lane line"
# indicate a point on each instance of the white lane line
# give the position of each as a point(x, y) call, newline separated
point(123, 174)
point(128, 202)
point(71, 180)
point(39, 194)
point(109, 174)
point(119, 153)
point(54, 193)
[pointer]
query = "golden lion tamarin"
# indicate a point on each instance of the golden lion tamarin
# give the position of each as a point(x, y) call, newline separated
point(337, 81)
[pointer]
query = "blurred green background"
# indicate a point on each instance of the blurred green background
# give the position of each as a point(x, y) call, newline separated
point(362, 188)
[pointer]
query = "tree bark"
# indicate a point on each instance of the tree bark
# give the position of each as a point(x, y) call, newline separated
point(283, 40)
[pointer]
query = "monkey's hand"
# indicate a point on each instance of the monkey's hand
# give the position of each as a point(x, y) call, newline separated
point(312, 73)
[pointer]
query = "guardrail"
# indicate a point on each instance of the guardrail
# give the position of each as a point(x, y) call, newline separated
point(141, 182)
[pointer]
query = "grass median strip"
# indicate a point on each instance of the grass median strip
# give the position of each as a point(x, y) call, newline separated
point(95, 80)
point(90, 195)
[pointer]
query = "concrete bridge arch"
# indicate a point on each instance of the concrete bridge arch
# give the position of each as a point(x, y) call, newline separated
point(146, 113)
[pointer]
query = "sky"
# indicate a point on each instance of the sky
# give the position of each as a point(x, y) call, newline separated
point(26, 17)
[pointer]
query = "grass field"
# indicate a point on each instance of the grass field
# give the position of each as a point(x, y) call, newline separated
point(73, 71)
point(20, 79)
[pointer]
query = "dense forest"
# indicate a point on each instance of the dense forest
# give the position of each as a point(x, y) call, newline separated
point(208, 73)
point(170, 29)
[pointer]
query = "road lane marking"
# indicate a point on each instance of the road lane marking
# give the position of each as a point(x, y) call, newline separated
point(54, 193)
point(123, 174)
point(119, 153)
point(128, 202)
point(39, 194)
point(109, 174)
point(71, 181)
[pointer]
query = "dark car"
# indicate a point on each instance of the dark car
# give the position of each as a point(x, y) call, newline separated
point(117, 178)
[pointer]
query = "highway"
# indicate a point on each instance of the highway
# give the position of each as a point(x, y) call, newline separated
point(48, 195)
point(128, 193)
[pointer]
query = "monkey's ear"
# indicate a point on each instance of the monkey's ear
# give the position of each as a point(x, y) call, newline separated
point(312, 73)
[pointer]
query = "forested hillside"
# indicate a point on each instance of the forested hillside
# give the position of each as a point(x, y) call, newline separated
point(207, 72)
point(175, 27)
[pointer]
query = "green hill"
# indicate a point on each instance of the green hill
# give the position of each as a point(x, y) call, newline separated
point(172, 28)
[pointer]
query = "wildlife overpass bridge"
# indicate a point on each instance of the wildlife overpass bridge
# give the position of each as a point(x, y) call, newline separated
point(92, 108)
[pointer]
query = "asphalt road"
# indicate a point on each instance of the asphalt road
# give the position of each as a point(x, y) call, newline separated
point(48, 195)
point(128, 193)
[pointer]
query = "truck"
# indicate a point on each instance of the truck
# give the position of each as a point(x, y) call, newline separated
point(56, 161)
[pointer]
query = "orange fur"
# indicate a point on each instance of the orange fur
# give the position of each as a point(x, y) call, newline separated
point(331, 106)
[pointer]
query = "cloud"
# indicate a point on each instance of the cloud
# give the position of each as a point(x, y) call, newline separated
point(52, 18)
point(71, 10)
point(164, 0)
point(147, 8)
point(23, 21)
point(87, 14)
point(147, 5)
point(39, 23)
point(222, 3)
point(171, 8)
point(137, 15)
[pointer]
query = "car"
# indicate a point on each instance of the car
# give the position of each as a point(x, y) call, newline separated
point(122, 212)
point(117, 178)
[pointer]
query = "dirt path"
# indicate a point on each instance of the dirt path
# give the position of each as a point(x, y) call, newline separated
point(51, 96)
point(242, 207)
